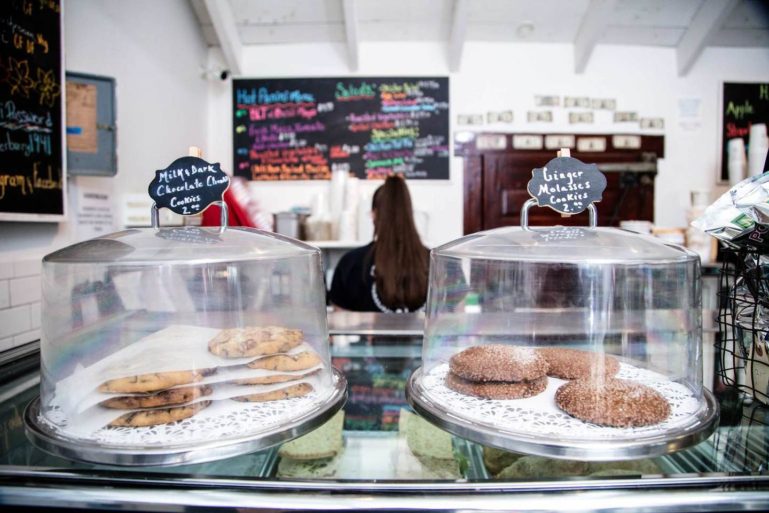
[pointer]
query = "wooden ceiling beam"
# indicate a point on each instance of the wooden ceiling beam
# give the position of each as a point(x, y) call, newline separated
point(226, 30)
point(458, 33)
point(706, 23)
point(351, 28)
point(597, 17)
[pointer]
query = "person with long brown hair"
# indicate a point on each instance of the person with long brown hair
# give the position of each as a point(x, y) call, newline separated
point(389, 274)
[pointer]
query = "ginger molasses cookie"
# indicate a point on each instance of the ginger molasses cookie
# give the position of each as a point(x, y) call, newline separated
point(568, 363)
point(170, 397)
point(612, 402)
point(498, 362)
point(254, 341)
point(496, 389)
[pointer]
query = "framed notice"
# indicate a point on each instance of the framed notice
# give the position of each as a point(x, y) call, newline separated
point(371, 127)
point(32, 173)
point(90, 125)
point(742, 105)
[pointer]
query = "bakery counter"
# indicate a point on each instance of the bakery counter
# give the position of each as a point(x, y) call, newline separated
point(379, 455)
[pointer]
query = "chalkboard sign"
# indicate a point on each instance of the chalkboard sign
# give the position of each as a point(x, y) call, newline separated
point(567, 185)
point(188, 186)
point(743, 105)
point(303, 129)
point(31, 157)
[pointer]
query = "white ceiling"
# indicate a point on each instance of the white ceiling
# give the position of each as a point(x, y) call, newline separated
point(689, 25)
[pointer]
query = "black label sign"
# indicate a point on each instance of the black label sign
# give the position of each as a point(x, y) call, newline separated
point(567, 185)
point(189, 185)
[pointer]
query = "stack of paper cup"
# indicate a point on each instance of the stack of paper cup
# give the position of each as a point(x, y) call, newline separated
point(699, 198)
point(348, 225)
point(737, 161)
point(758, 145)
point(365, 224)
point(336, 193)
point(643, 227)
point(351, 193)
point(319, 204)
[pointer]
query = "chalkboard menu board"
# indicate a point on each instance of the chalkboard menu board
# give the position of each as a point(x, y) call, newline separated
point(743, 105)
point(303, 129)
point(31, 174)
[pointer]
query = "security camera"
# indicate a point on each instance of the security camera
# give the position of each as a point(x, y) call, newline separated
point(224, 74)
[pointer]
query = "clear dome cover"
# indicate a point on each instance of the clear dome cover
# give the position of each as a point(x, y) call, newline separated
point(156, 343)
point(514, 314)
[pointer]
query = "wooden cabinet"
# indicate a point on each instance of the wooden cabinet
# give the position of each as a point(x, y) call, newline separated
point(496, 175)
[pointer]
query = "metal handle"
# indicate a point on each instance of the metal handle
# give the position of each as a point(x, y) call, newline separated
point(592, 211)
point(155, 215)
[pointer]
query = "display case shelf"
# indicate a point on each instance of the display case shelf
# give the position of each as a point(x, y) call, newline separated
point(725, 472)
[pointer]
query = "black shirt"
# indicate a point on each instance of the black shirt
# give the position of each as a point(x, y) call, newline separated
point(352, 282)
point(353, 286)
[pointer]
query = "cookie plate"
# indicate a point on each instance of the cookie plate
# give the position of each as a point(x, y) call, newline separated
point(535, 425)
point(152, 448)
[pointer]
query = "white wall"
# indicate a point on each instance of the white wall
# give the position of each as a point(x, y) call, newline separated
point(498, 76)
point(155, 51)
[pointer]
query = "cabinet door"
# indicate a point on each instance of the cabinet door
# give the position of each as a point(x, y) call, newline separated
point(628, 195)
point(505, 178)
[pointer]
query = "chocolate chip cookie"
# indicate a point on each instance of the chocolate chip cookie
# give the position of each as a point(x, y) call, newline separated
point(153, 382)
point(298, 390)
point(143, 418)
point(170, 397)
point(254, 341)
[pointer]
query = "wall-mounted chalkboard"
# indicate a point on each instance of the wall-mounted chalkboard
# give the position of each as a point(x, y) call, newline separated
point(32, 178)
point(743, 104)
point(303, 129)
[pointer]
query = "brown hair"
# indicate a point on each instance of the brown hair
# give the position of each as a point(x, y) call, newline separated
point(401, 261)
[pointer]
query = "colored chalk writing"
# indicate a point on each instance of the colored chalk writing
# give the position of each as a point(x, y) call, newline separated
point(188, 186)
point(31, 138)
point(743, 105)
point(567, 185)
point(303, 129)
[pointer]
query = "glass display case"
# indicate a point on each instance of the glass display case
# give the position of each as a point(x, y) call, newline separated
point(379, 455)
point(566, 342)
point(171, 345)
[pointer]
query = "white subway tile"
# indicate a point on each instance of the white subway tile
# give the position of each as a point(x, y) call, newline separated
point(6, 343)
point(5, 294)
point(27, 336)
point(6, 269)
point(27, 267)
point(25, 290)
point(34, 315)
point(14, 321)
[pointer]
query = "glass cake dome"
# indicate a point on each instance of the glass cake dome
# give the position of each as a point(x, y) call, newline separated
point(569, 342)
point(173, 345)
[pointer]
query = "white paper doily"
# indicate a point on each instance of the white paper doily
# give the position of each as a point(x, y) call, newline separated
point(539, 416)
